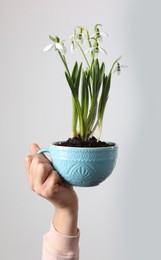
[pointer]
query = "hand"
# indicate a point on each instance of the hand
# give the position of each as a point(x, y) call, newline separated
point(46, 182)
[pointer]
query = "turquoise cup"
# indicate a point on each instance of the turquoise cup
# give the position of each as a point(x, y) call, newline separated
point(83, 167)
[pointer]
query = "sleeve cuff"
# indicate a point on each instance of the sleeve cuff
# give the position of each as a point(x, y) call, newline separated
point(62, 243)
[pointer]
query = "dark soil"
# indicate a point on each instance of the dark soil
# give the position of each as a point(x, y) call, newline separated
point(78, 142)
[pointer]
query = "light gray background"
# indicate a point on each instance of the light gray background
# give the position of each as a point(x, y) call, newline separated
point(120, 219)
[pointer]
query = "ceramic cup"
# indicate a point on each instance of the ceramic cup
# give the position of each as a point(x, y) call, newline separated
point(83, 167)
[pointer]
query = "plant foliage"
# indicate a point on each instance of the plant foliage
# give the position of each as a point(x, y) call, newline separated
point(90, 84)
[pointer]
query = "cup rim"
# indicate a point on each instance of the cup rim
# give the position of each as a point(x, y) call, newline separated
point(55, 144)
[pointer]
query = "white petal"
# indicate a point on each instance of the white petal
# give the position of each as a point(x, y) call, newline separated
point(64, 50)
point(72, 48)
point(93, 35)
point(123, 66)
point(104, 34)
point(115, 70)
point(48, 47)
point(89, 50)
point(100, 39)
point(118, 72)
point(71, 37)
point(102, 50)
point(81, 40)
point(59, 46)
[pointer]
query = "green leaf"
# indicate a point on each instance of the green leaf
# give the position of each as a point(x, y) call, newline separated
point(76, 104)
point(51, 38)
point(95, 76)
point(104, 95)
point(92, 115)
point(75, 72)
point(103, 101)
point(102, 73)
point(70, 83)
point(94, 93)
point(77, 81)
point(84, 96)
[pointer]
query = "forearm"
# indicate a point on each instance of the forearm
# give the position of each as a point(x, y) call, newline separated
point(65, 221)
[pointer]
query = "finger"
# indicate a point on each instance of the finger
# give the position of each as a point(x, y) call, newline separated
point(34, 148)
point(39, 171)
point(32, 162)
point(52, 184)
point(42, 173)
point(28, 161)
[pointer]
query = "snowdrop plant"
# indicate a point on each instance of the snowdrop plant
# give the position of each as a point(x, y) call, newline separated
point(89, 83)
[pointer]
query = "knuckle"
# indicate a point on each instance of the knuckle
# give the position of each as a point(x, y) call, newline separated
point(36, 188)
point(38, 191)
point(36, 160)
point(27, 160)
point(41, 167)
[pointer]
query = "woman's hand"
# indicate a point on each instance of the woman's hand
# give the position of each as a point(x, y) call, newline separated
point(46, 182)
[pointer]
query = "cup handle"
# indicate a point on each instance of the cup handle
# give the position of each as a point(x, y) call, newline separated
point(46, 150)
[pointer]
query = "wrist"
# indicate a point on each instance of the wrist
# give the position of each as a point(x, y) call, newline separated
point(65, 220)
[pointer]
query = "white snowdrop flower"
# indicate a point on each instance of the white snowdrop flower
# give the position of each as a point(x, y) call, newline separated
point(102, 50)
point(57, 45)
point(96, 49)
point(49, 47)
point(119, 67)
point(72, 48)
point(60, 47)
point(78, 35)
point(98, 35)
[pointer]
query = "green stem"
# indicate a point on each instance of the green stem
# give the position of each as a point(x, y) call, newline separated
point(64, 62)
point(90, 46)
point(100, 132)
point(83, 53)
point(74, 118)
point(88, 38)
point(94, 128)
point(81, 122)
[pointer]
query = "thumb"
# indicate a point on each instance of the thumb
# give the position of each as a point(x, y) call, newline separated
point(34, 148)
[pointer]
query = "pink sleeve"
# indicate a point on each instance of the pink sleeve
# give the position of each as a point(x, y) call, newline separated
point(57, 246)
